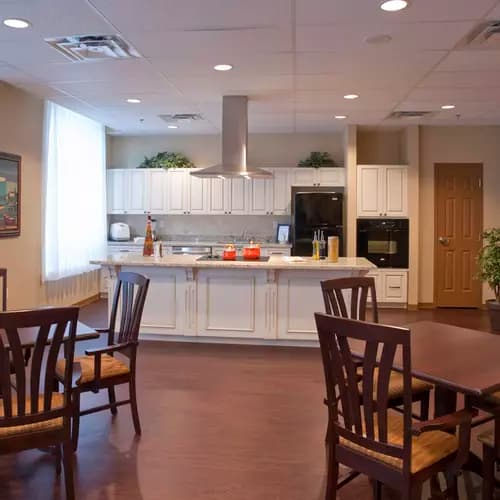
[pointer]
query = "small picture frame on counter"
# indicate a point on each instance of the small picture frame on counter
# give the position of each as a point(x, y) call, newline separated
point(283, 233)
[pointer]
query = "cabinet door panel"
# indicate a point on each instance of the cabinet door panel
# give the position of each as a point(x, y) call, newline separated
point(369, 191)
point(280, 192)
point(237, 196)
point(396, 197)
point(176, 191)
point(331, 176)
point(117, 191)
point(198, 194)
point(216, 196)
point(137, 203)
point(259, 195)
point(395, 286)
point(303, 177)
point(156, 192)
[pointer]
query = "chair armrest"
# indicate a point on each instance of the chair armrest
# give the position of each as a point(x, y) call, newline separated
point(445, 423)
point(109, 349)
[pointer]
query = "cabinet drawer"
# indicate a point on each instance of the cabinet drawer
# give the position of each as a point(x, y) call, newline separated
point(394, 288)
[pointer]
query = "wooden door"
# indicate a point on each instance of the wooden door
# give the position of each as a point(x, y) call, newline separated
point(458, 226)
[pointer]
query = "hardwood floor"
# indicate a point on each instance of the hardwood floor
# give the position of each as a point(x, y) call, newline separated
point(220, 422)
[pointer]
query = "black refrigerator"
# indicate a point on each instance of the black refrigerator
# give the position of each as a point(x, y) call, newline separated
point(314, 210)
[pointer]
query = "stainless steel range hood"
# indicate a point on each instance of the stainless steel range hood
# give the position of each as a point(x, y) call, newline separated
point(234, 143)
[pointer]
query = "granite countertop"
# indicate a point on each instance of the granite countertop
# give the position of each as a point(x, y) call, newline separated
point(274, 262)
point(200, 243)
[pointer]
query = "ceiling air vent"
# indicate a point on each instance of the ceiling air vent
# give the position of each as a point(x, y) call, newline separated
point(80, 48)
point(485, 35)
point(401, 115)
point(179, 117)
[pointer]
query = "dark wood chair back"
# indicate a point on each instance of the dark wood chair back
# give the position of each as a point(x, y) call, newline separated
point(365, 423)
point(334, 296)
point(32, 401)
point(3, 275)
point(129, 297)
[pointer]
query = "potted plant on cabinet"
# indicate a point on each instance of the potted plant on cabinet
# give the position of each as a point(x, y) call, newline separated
point(489, 271)
point(317, 159)
point(166, 160)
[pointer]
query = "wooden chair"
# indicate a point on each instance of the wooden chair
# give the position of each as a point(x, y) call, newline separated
point(334, 296)
point(100, 368)
point(3, 275)
point(32, 415)
point(370, 437)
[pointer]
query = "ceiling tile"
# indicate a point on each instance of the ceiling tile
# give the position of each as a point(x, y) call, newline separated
point(409, 36)
point(462, 79)
point(350, 11)
point(162, 15)
point(470, 60)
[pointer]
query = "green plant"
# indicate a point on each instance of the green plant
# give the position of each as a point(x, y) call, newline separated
point(166, 160)
point(489, 261)
point(317, 159)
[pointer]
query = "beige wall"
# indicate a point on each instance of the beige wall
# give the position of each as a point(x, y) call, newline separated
point(21, 132)
point(381, 146)
point(204, 150)
point(454, 145)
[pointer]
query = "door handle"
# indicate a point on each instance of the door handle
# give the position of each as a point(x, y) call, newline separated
point(444, 241)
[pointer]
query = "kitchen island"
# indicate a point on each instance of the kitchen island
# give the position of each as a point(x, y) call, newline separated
point(272, 301)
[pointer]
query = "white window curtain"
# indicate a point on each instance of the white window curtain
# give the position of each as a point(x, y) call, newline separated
point(74, 193)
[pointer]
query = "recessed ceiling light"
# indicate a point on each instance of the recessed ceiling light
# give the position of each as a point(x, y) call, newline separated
point(340, 117)
point(448, 106)
point(14, 22)
point(394, 5)
point(133, 100)
point(351, 96)
point(173, 126)
point(223, 67)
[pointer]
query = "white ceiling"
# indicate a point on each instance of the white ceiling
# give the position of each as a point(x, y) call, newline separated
point(295, 59)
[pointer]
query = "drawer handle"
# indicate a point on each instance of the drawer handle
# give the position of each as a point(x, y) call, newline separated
point(395, 287)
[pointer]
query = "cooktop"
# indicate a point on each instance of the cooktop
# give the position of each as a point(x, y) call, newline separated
point(239, 259)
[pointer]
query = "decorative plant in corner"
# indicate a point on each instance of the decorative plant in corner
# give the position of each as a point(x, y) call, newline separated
point(166, 160)
point(489, 272)
point(317, 159)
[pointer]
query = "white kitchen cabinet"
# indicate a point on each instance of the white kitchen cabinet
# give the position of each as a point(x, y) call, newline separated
point(391, 286)
point(270, 196)
point(136, 191)
point(382, 191)
point(317, 176)
point(279, 251)
point(187, 194)
point(228, 196)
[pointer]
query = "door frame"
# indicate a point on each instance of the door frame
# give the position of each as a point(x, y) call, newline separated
point(480, 166)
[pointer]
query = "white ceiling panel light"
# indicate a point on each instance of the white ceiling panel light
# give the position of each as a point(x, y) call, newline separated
point(223, 67)
point(133, 100)
point(173, 126)
point(448, 106)
point(351, 97)
point(340, 117)
point(14, 22)
point(394, 5)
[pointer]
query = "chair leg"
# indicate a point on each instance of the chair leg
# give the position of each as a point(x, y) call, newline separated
point(68, 470)
point(377, 490)
point(488, 472)
point(332, 475)
point(58, 455)
point(412, 493)
point(452, 486)
point(133, 406)
point(75, 428)
point(112, 400)
point(424, 406)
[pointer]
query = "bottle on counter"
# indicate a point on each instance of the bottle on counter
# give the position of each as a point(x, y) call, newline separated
point(333, 248)
point(322, 246)
point(315, 244)
point(148, 249)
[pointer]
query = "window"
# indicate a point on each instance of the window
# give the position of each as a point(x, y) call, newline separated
point(74, 193)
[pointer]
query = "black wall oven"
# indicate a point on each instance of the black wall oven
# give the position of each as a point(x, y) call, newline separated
point(385, 242)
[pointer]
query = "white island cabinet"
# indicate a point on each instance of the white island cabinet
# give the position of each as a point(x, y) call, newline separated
point(237, 301)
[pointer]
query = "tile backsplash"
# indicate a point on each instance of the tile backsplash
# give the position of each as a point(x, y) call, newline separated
point(192, 226)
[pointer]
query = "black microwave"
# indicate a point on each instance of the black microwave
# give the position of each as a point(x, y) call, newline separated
point(385, 242)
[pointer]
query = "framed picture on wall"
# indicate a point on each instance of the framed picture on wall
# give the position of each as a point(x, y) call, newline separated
point(10, 195)
point(283, 233)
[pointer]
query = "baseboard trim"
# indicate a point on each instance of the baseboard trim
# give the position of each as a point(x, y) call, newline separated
point(426, 305)
point(88, 300)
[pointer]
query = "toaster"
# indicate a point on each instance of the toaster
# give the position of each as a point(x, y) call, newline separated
point(119, 231)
